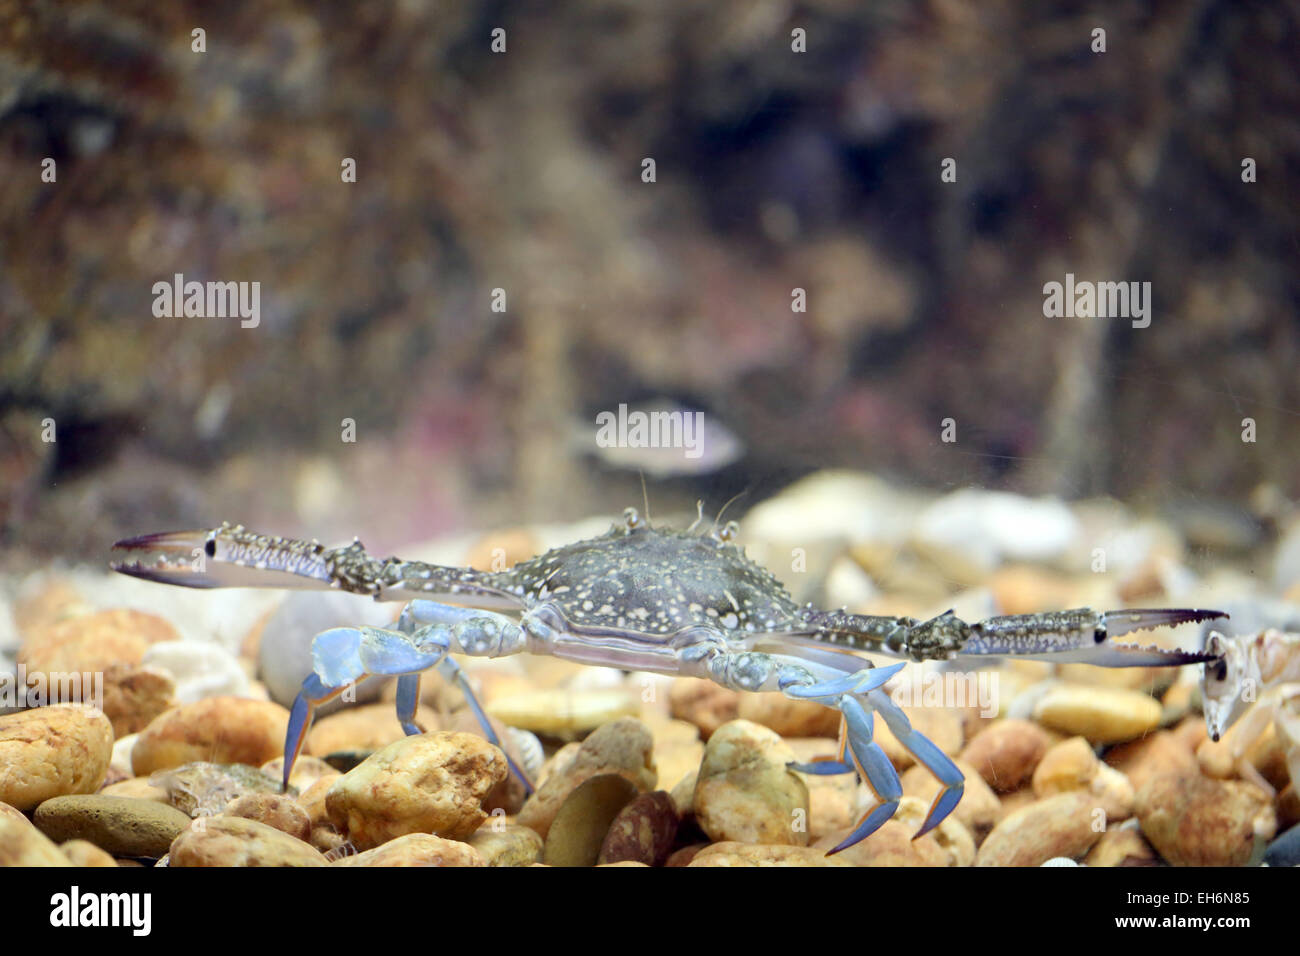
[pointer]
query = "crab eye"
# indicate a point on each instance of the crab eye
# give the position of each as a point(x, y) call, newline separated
point(729, 531)
point(631, 519)
point(1220, 670)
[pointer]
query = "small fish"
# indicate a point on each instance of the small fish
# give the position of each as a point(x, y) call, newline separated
point(661, 438)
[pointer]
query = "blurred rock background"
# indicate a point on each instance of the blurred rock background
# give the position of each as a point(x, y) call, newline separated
point(522, 171)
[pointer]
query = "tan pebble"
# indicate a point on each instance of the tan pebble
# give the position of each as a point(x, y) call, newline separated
point(1193, 820)
point(745, 792)
point(504, 844)
point(95, 641)
point(236, 841)
point(730, 853)
point(703, 703)
point(52, 751)
point(326, 838)
point(1009, 803)
point(306, 770)
point(643, 831)
point(415, 849)
point(430, 783)
point(134, 696)
point(1070, 765)
point(85, 853)
point(217, 730)
point(312, 799)
point(1122, 845)
point(575, 835)
point(55, 601)
point(625, 863)
point(368, 727)
point(21, 844)
point(684, 855)
point(1232, 756)
point(1149, 681)
point(979, 808)
point(563, 713)
point(138, 787)
point(623, 747)
point(275, 810)
point(509, 795)
point(892, 844)
point(1060, 825)
point(789, 718)
point(1006, 753)
point(1102, 714)
point(1163, 752)
point(1028, 589)
point(684, 794)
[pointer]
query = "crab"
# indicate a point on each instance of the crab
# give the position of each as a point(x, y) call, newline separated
point(1252, 681)
point(683, 602)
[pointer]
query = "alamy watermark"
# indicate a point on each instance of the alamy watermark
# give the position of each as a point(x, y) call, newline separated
point(22, 690)
point(653, 429)
point(208, 300)
point(949, 689)
point(1101, 300)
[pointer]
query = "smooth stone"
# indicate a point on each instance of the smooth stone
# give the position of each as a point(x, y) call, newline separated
point(732, 853)
point(415, 849)
point(21, 844)
point(368, 727)
point(1101, 714)
point(85, 853)
point(507, 844)
point(277, 810)
point(236, 841)
point(745, 792)
point(428, 783)
point(121, 826)
point(216, 730)
point(703, 703)
point(643, 831)
point(575, 836)
point(1006, 753)
point(565, 714)
point(1060, 825)
point(1197, 821)
point(53, 751)
point(200, 669)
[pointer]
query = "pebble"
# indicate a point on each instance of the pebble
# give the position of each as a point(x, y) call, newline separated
point(277, 810)
point(199, 669)
point(85, 853)
point(1072, 766)
point(1285, 850)
point(745, 793)
point(624, 747)
point(1006, 753)
point(1193, 820)
point(566, 714)
point(430, 783)
point(575, 836)
point(1123, 845)
point(134, 696)
point(644, 831)
point(1061, 825)
point(21, 844)
point(217, 730)
point(1060, 861)
point(306, 770)
point(1105, 715)
point(53, 751)
point(139, 788)
point(789, 718)
point(510, 794)
point(703, 703)
point(368, 727)
point(979, 809)
point(1163, 753)
point(236, 841)
point(121, 826)
point(415, 849)
point(312, 798)
point(203, 789)
point(683, 795)
point(507, 844)
point(731, 853)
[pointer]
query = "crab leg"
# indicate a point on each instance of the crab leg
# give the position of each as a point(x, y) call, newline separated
point(426, 633)
point(1084, 636)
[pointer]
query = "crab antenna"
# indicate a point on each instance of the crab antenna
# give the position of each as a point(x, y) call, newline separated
point(699, 515)
point(724, 508)
point(645, 496)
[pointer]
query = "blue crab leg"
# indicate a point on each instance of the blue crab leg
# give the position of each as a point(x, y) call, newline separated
point(829, 766)
point(859, 682)
point(874, 767)
point(930, 756)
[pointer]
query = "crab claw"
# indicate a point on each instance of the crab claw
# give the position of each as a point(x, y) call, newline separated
point(221, 558)
point(1085, 636)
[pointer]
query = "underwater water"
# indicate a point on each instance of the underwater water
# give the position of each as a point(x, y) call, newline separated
point(717, 357)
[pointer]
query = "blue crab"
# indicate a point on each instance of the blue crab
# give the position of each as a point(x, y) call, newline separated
point(678, 602)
